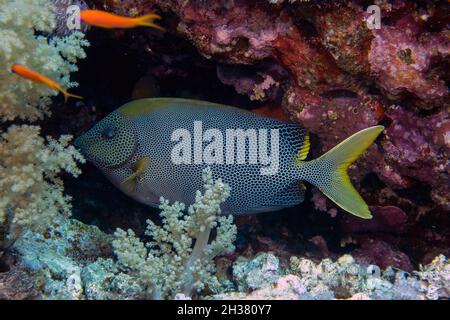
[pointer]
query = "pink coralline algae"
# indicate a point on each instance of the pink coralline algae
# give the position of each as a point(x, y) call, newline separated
point(263, 85)
point(418, 148)
point(230, 31)
point(400, 58)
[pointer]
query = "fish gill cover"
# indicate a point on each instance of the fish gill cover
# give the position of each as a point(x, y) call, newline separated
point(332, 68)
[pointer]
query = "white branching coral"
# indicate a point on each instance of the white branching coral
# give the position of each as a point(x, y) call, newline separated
point(179, 256)
point(25, 26)
point(31, 193)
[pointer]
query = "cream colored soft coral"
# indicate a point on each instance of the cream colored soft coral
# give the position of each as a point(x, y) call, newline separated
point(180, 256)
point(25, 29)
point(31, 193)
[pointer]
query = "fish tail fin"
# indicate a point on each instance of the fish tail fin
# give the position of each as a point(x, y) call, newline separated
point(148, 21)
point(329, 171)
point(67, 95)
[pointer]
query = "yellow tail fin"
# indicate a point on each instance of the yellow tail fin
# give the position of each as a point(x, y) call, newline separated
point(329, 172)
point(148, 21)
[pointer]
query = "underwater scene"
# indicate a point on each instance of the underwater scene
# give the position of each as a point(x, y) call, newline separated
point(224, 150)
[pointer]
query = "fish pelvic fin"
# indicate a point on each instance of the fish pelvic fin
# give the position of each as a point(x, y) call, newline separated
point(329, 171)
point(148, 21)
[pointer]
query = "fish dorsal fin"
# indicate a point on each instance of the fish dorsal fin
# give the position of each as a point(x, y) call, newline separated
point(303, 152)
point(141, 106)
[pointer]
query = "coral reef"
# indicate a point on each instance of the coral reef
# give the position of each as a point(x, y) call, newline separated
point(334, 75)
point(74, 261)
point(31, 187)
point(179, 259)
point(58, 255)
point(316, 63)
point(251, 274)
point(404, 66)
point(31, 191)
point(25, 27)
point(342, 279)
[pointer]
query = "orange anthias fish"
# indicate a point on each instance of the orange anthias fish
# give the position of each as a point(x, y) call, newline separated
point(108, 20)
point(35, 76)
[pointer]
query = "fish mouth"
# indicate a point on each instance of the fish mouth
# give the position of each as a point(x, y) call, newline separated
point(77, 143)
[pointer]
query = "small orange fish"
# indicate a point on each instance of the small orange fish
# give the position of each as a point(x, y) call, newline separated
point(108, 20)
point(32, 75)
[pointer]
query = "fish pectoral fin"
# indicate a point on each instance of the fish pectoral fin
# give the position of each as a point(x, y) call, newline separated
point(139, 168)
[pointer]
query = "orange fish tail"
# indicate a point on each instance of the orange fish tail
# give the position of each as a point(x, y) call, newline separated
point(67, 95)
point(148, 21)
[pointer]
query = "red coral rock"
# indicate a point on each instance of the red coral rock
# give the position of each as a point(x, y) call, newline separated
point(388, 219)
point(231, 31)
point(259, 83)
point(378, 252)
point(419, 148)
point(344, 33)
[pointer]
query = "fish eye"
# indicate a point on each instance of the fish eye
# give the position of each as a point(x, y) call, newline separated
point(109, 132)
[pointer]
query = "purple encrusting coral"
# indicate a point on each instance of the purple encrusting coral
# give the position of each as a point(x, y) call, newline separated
point(419, 148)
point(400, 58)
